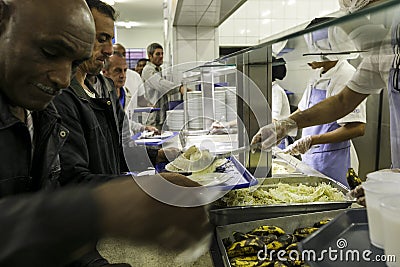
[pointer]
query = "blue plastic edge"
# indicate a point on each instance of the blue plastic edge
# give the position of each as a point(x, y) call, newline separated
point(245, 173)
point(136, 137)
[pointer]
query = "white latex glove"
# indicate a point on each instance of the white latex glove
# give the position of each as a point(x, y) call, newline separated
point(300, 146)
point(273, 133)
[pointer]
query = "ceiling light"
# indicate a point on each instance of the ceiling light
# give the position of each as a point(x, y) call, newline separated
point(265, 13)
point(110, 2)
point(127, 24)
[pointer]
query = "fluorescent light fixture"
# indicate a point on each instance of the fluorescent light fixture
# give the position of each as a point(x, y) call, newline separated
point(127, 24)
point(110, 2)
point(266, 13)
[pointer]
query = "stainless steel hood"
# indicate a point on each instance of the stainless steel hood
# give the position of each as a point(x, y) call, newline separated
point(209, 13)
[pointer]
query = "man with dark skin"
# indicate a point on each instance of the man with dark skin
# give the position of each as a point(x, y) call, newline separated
point(30, 140)
point(52, 228)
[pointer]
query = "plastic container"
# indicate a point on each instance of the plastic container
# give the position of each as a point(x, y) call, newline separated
point(374, 191)
point(384, 176)
point(390, 211)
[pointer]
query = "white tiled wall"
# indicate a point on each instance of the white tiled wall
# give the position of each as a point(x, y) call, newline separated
point(258, 19)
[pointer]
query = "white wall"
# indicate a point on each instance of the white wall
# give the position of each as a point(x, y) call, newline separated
point(194, 44)
point(257, 19)
point(139, 37)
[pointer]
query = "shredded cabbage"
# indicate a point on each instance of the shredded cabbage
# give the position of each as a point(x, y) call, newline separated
point(283, 193)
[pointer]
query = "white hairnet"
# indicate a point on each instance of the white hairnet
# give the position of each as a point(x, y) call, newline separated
point(350, 6)
point(331, 40)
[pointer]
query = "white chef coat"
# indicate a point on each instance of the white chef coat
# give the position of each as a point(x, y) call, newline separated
point(280, 103)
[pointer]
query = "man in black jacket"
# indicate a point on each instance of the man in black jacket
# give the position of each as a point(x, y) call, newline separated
point(30, 140)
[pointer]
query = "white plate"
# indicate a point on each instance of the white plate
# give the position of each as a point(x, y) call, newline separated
point(210, 179)
point(147, 140)
point(148, 172)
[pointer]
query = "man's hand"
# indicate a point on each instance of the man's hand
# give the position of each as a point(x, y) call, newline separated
point(218, 127)
point(150, 128)
point(358, 193)
point(167, 154)
point(273, 133)
point(301, 146)
point(127, 211)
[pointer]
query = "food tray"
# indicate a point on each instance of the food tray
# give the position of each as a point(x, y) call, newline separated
point(226, 215)
point(152, 142)
point(241, 177)
point(287, 223)
point(347, 232)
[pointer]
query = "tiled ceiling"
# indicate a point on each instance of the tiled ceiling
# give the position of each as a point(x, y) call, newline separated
point(204, 12)
point(149, 13)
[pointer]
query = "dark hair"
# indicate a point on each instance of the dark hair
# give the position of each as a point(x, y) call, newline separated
point(317, 21)
point(278, 68)
point(143, 59)
point(152, 47)
point(103, 8)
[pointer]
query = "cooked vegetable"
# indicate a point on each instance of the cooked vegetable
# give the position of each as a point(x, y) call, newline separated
point(283, 193)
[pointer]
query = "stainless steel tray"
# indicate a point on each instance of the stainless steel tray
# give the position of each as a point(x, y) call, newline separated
point(220, 215)
point(287, 223)
point(347, 232)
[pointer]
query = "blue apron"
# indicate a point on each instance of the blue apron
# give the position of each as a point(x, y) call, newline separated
point(333, 160)
point(394, 96)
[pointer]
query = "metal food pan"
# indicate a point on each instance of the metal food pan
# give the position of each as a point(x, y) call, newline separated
point(347, 232)
point(287, 223)
point(220, 215)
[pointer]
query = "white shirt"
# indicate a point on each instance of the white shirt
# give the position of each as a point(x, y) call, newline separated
point(333, 81)
point(373, 72)
point(156, 85)
point(135, 87)
point(280, 103)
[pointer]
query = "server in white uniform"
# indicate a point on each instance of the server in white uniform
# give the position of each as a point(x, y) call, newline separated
point(377, 71)
point(327, 147)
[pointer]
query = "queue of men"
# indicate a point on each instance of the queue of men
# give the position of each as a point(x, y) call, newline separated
point(44, 143)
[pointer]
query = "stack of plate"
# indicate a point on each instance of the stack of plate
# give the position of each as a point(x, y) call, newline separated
point(219, 105)
point(230, 98)
point(175, 119)
point(195, 109)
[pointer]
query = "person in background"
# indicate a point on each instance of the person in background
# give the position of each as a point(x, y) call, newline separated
point(133, 84)
point(140, 65)
point(280, 107)
point(157, 88)
point(376, 71)
point(115, 68)
point(326, 147)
